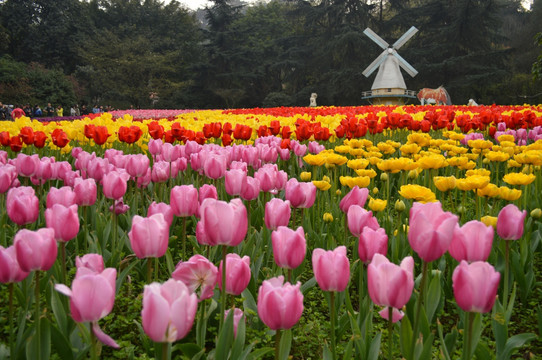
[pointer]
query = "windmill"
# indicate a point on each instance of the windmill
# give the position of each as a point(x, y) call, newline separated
point(389, 86)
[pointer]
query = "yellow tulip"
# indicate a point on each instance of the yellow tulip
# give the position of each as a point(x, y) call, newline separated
point(328, 217)
point(489, 221)
point(305, 176)
point(357, 164)
point(360, 181)
point(366, 172)
point(444, 183)
point(314, 160)
point(509, 194)
point(497, 156)
point(322, 185)
point(518, 178)
point(432, 162)
point(417, 193)
point(409, 149)
point(377, 204)
point(490, 190)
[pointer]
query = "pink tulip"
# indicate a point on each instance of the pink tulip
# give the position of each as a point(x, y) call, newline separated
point(8, 173)
point(160, 172)
point(149, 236)
point(168, 311)
point(237, 315)
point(177, 166)
point(237, 274)
point(27, 165)
point(372, 242)
point(224, 223)
point(3, 157)
point(471, 242)
point(331, 268)
point(155, 146)
point(300, 194)
point(10, 270)
point(356, 196)
point(277, 213)
point(64, 221)
point(63, 196)
point(36, 250)
point(44, 171)
point(215, 166)
point(510, 222)
point(280, 305)
point(184, 200)
point(170, 152)
point(85, 191)
point(161, 208)
point(96, 168)
point(390, 285)
point(207, 191)
point(91, 298)
point(359, 218)
point(267, 176)
point(289, 247)
point(431, 230)
point(114, 185)
point(252, 189)
point(145, 180)
point(22, 205)
point(119, 207)
point(92, 262)
point(137, 165)
point(235, 181)
point(475, 286)
point(197, 273)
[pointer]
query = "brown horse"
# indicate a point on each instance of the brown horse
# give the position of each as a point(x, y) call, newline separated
point(438, 96)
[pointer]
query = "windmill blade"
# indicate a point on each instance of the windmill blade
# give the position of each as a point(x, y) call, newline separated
point(377, 39)
point(406, 36)
point(375, 64)
point(406, 66)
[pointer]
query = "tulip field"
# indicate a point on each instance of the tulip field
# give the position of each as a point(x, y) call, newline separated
point(280, 233)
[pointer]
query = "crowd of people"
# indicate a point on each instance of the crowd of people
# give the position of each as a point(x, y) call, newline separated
point(12, 112)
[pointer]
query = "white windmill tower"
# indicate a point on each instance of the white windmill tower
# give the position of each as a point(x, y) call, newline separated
point(389, 86)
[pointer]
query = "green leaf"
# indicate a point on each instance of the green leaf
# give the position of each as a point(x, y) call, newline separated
point(41, 349)
point(285, 344)
point(248, 301)
point(347, 355)
point(327, 353)
point(308, 285)
point(259, 353)
point(189, 349)
point(60, 313)
point(374, 349)
point(433, 298)
point(169, 262)
point(225, 338)
point(239, 341)
point(123, 274)
point(406, 336)
point(61, 344)
point(513, 343)
point(482, 352)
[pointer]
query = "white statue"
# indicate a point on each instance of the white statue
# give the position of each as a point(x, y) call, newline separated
point(313, 100)
point(472, 103)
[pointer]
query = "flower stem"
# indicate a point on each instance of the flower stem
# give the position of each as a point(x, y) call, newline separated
point(290, 276)
point(360, 287)
point(149, 270)
point(10, 320)
point(38, 311)
point(332, 309)
point(468, 336)
point(223, 293)
point(93, 348)
point(506, 273)
point(277, 344)
point(183, 236)
point(415, 334)
point(165, 352)
point(63, 261)
point(390, 333)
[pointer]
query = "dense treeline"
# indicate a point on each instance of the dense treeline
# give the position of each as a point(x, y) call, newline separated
point(149, 54)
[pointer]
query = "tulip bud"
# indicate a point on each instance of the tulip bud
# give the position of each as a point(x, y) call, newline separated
point(375, 190)
point(461, 209)
point(338, 192)
point(400, 206)
point(384, 176)
point(305, 176)
point(328, 217)
point(412, 174)
point(536, 213)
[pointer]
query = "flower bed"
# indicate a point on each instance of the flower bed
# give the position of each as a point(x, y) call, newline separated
point(422, 214)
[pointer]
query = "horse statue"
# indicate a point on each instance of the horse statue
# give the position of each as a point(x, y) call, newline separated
point(438, 96)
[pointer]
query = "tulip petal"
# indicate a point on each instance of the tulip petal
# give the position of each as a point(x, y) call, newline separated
point(103, 337)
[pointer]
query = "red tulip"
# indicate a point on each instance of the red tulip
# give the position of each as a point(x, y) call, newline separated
point(475, 286)
point(280, 305)
point(331, 268)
